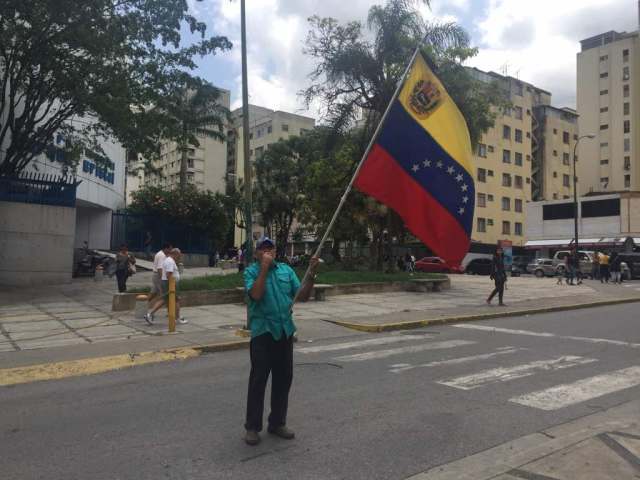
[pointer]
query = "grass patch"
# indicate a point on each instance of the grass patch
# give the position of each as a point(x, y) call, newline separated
point(327, 276)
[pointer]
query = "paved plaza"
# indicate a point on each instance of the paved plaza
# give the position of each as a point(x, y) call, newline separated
point(80, 313)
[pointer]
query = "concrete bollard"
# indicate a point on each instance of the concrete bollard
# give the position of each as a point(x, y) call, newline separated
point(99, 274)
point(141, 306)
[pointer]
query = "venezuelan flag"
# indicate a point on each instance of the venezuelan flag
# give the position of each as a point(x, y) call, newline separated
point(421, 165)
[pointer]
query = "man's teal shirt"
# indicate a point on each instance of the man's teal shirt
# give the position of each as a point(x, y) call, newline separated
point(272, 314)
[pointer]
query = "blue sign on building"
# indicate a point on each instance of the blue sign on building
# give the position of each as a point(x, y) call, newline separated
point(101, 173)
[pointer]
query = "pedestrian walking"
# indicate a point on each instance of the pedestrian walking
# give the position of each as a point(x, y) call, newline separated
point(595, 266)
point(125, 267)
point(499, 276)
point(156, 275)
point(271, 287)
point(169, 270)
point(615, 268)
point(562, 273)
point(603, 260)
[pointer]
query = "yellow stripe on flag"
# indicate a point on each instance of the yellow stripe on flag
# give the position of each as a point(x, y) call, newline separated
point(424, 97)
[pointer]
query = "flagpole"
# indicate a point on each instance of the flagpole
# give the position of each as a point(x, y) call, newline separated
point(355, 174)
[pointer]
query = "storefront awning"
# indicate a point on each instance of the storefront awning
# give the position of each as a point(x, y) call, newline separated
point(584, 242)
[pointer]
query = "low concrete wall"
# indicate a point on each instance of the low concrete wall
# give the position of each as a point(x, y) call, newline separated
point(127, 301)
point(36, 244)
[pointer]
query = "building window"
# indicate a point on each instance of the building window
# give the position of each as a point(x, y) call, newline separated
point(259, 151)
point(604, 92)
point(269, 129)
point(285, 127)
point(528, 181)
point(518, 229)
point(190, 177)
point(506, 204)
point(604, 144)
point(506, 180)
point(518, 112)
point(490, 198)
point(517, 206)
point(604, 182)
point(506, 228)
point(555, 174)
point(489, 173)
point(555, 196)
point(627, 181)
point(490, 148)
point(565, 181)
point(482, 150)
point(625, 91)
point(625, 73)
point(518, 89)
point(555, 131)
point(627, 144)
point(626, 109)
point(506, 132)
point(482, 175)
point(604, 75)
point(490, 222)
point(518, 136)
point(190, 162)
point(518, 181)
point(555, 153)
point(625, 55)
point(528, 158)
point(604, 58)
point(604, 127)
point(627, 163)
point(604, 109)
point(506, 156)
point(565, 158)
point(506, 111)
point(518, 159)
point(604, 162)
point(626, 126)
point(482, 200)
point(482, 225)
point(565, 138)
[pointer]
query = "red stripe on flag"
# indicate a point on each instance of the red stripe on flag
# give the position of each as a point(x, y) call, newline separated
point(385, 180)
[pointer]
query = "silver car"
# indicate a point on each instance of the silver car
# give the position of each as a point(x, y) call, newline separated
point(542, 267)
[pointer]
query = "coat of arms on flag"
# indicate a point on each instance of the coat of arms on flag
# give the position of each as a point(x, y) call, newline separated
point(425, 97)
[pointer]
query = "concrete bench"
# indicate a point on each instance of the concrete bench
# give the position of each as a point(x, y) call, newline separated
point(320, 291)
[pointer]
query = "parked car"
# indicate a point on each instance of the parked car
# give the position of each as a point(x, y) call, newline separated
point(521, 262)
point(585, 257)
point(479, 266)
point(632, 263)
point(542, 267)
point(436, 265)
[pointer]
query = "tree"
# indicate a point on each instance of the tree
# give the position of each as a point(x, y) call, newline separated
point(192, 111)
point(356, 74)
point(103, 60)
point(279, 187)
point(185, 209)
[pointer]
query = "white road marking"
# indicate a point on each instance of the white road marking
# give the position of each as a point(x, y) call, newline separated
point(361, 343)
point(403, 367)
point(360, 357)
point(504, 374)
point(489, 328)
point(568, 394)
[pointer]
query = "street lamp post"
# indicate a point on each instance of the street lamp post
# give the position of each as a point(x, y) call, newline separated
point(248, 250)
point(575, 195)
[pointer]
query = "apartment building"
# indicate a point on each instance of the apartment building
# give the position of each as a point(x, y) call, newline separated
point(555, 134)
point(265, 128)
point(206, 164)
point(503, 163)
point(608, 101)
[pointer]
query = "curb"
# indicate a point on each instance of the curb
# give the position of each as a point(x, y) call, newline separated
point(218, 347)
point(388, 327)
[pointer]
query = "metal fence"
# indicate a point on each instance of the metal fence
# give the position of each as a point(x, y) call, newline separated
point(134, 230)
point(40, 189)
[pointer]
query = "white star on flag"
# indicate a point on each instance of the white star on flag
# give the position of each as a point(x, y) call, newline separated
point(439, 164)
point(427, 163)
point(465, 187)
point(450, 170)
point(459, 178)
point(465, 199)
point(461, 210)
point(415, 167)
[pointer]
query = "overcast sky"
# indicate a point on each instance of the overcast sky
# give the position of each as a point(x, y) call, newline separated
point(534, 40)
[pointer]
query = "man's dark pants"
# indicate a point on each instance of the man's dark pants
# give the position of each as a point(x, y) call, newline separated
point(499, 290)
point(121, 276)
point(275, 357)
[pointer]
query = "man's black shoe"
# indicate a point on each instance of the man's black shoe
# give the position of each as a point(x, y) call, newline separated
point(282, 432)
point(252, 437)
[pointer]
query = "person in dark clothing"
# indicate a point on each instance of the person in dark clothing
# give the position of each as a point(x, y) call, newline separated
point(124, 267)
point(499, 276)
point(615, 268)
point(576, 269)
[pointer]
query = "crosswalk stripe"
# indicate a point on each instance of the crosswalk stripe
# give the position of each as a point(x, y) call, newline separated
point(489, 328)
point(403, 367)
point(361, 343)
point(568, 394)
point(504, 374)
point(374, 355)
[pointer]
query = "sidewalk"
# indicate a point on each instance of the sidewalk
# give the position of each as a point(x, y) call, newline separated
point(76, 321)
point(602, 446)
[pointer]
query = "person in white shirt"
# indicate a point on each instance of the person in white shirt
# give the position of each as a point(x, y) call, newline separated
point(156, 276)
point(169, 270)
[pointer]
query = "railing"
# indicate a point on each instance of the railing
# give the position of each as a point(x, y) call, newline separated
point(39, 188)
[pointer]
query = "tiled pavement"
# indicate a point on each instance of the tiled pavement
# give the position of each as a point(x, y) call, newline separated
point(80, 313)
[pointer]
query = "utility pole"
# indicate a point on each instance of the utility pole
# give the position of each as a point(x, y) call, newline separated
point(248, 184)
point(575, 195)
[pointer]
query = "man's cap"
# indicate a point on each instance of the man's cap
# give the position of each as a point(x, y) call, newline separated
point(265, 241)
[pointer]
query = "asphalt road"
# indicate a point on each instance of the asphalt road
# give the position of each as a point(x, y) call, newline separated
point(383, 406)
